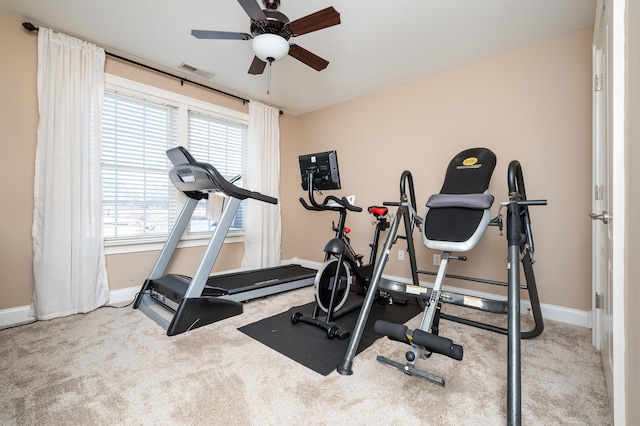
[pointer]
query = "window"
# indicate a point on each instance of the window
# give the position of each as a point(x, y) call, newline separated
point(139, 124)
point(222, 143)
point(136, 194)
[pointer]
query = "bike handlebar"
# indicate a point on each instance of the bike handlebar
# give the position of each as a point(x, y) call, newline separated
point(340, 203)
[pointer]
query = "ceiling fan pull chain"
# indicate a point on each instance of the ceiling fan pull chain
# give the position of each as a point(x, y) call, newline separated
point(269, 83)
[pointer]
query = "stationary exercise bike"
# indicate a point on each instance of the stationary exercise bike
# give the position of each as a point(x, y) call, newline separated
point(343, 271)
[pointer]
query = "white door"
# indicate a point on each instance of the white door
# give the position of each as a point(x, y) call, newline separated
point(601, 209)
point(608, 197)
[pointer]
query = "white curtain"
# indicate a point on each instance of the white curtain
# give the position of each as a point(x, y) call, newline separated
point(68, 255)
point(263, 229)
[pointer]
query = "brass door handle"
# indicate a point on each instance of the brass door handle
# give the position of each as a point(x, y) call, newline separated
point(604, 217)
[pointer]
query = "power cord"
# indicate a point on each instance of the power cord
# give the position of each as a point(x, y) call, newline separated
point(18, 325)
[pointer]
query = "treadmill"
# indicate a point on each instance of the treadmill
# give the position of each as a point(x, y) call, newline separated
point(196, 301)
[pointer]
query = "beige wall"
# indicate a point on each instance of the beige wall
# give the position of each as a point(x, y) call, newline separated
point(532, 105)
point(19, 115)
point(18, 126)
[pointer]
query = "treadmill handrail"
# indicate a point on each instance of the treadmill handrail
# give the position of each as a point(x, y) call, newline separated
point(204, 178)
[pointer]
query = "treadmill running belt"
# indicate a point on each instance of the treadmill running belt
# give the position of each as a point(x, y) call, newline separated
point(237, 282)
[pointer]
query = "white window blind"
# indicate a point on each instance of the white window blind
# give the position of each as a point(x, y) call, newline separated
point(139, 124)
point(137, 199)
point(222, 144)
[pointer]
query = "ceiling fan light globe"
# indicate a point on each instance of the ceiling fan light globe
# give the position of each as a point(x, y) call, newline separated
point(270, 47)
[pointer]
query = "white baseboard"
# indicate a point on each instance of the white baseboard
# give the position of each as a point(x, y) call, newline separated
point(123, 295)
point(13, 316)
point(20, 314)
point(550, 312)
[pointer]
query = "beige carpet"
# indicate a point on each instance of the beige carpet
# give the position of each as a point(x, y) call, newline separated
point(117, 366)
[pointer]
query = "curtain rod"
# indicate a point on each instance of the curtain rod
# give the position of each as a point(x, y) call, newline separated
point(30, 27)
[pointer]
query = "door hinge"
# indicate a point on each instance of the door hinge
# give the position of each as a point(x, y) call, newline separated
point(598, 192)
point(597, 82)
point(598, 300)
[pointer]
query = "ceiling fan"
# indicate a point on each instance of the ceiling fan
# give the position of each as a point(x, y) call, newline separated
point(271, 31)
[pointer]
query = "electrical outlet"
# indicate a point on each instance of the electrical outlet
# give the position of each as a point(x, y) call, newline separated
point(400, 254)
point(436, 259)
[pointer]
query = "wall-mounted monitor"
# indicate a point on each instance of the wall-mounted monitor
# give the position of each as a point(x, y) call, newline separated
point(324, 170)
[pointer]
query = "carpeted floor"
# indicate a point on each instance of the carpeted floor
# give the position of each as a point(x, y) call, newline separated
point(117, 366)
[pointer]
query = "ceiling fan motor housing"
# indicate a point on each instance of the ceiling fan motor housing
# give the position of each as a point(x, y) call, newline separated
point(276, 23)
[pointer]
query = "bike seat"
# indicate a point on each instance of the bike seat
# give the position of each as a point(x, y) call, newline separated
point(378, 211)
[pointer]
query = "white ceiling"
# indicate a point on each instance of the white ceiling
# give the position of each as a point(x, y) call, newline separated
point(378, 44)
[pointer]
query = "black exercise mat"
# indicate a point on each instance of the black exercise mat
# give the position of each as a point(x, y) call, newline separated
point(310, 346)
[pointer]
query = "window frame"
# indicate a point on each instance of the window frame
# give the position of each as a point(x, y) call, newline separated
point(184, 104)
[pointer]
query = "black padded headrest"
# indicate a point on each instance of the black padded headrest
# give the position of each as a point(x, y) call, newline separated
point(469, 172)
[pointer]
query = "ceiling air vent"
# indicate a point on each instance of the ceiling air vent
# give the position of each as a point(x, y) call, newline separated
point(196, 71)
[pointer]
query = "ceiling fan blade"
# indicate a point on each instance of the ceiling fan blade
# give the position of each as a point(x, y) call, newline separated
point(306, 57)
point(316, 21)
point(257, 66)
point(252, 8)
point(220, 35)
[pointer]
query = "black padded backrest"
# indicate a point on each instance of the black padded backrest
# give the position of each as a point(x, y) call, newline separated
point(469, 172)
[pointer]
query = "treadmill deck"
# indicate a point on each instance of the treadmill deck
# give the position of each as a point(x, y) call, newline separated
point(238, 286)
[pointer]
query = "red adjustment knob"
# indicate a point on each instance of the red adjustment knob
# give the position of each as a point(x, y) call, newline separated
point(347, 230)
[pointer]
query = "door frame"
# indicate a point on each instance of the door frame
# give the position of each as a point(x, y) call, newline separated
point(614, 105)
